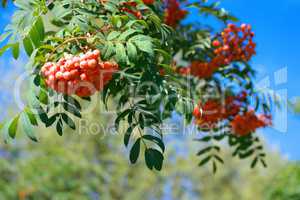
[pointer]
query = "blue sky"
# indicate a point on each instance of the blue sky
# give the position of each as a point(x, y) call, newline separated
point(277, 27)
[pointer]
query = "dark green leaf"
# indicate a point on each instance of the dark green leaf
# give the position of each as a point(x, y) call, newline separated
point(86, 98)
point(254, 162)
point(141, 121)
point(204, 139)
point(42, 115)
point(68, 121)
point(37, 80)
point(220, 137)
point(71, 109)
point(50, 121)
point(263, 162)
point(154, 158)
point(214, 167)
point(203, 151)
point(156, 140)
point(218, 158)
point(120, 117)
point(135, 151)
point(204, 161)
point(72, 101)
point(246, 154)
point(128, 134)
point(59, 127)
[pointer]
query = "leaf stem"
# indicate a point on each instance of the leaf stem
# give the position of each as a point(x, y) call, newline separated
point(65, 42)
point(139, 129)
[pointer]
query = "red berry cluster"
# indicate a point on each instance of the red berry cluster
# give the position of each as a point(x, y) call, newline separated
point(81, 75)
point(248, 122)
point(207, 115)
point(236, 45)
point(213, 111)
point(199, 69)
point(130, 7)
point(173, 13)
point(233, 105)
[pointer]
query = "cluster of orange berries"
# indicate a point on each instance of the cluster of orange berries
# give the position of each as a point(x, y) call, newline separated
point(236, 44)
point(81, 75)
point(248, 122)
point(173, 13)
point(213, 111)
point(199, 69)
point(207, 115)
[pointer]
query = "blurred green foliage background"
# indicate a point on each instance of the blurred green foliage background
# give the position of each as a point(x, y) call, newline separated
point(95, 166)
